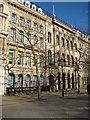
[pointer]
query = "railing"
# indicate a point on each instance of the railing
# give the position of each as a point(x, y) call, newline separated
point(26, 90)
point(13, 91)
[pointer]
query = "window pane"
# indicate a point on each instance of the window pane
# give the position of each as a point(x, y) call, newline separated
point(21, 21)
point(21, 36)
point(28, 24)
point(12, 34)
point(57, 40)
point(34, 60)
point(41, 43)
point(11, 57)
point(41, 61)
point(35, 40)
point(35, 26)
point(49, 37)
point(13, 17)
point(28, 59)
point(1, 8)
point(20, 59)
point(28, 39)
point(41, 29)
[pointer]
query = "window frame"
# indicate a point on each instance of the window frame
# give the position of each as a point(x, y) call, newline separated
point(21, 21)
point(21, 59)
point(35, 26)
point(12, 37)
point(49, 37)
point(1, 8)
point(14, 21)
point(11, 51)
point(21, 36)
point(28, 60)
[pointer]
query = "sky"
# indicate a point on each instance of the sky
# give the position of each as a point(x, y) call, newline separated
point(73, 13)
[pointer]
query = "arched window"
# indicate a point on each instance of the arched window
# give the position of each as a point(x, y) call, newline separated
point(72, 60)
point(57, 40)
point(27, 81)
point(75, 47)
point(20, 80)
point(41, 80)
point(71, 45)
point(67, 42)
point(62, 41)
point(63, 58)
point(11, 80)
point(1, 8)
point(49, 37)
point(49, 56)
point(68, 60)
point(34, 81)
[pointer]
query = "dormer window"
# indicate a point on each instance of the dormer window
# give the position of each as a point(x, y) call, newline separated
point(39, 10)
point(27, 3)
point(1, 8)
point(34, 7)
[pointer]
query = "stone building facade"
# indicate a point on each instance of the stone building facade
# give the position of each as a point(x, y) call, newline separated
point(35, 45)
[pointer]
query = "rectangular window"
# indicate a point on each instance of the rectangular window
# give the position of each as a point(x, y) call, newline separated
point(11, 57)
point(34, 60)
point(35, 26)
point(27, 59)
point(41, 43)
point(41, 29)
point(13, 17)
point(28, 24)
point(12, 34)
point(21, 37)
point(35, 40)
point(20, 58)
point(1, 8)
point(28, 39)
point(21, 21)
point(41, 61)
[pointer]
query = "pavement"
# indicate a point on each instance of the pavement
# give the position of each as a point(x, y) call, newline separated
point(50, 105)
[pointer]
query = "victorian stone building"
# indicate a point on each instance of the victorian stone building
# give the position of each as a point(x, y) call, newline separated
point(34, 45)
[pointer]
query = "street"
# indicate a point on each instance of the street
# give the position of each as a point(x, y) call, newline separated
point(51, 105)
